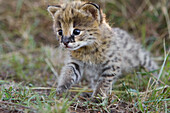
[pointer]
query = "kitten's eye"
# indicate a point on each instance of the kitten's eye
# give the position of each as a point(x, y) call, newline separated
point(76, 32)
point(60, 32)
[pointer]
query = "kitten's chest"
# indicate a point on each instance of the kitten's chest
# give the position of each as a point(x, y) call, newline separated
point(91, 71)
point(88, 57)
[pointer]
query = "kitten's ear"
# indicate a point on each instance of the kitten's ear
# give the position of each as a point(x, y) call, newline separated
point(53, 9)
point(94, 9)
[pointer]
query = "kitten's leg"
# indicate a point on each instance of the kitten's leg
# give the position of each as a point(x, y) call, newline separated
point(148, 63)
point(109, 75)
point(71, 74)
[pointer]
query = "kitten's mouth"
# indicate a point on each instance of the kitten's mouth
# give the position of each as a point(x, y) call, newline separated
point(70, 47)
point(73, 46)
point(66, 46)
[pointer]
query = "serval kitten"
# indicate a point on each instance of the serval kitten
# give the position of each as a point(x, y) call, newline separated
point(96, 51)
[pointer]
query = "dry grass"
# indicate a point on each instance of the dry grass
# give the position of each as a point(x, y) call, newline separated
point(30, 60)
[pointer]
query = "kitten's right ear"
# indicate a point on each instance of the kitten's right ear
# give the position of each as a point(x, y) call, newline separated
point(53, 9)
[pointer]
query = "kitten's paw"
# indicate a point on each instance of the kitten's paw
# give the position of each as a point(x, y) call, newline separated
point(86, 94)
point(99, 93)
point(61, 89)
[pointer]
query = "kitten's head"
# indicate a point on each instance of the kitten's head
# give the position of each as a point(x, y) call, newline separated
point(76, 24)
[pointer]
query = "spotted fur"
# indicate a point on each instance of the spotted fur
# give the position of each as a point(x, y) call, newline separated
point(98, 52)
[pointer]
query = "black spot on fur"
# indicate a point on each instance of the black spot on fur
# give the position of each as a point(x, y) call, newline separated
point(108, 75)
point(109, 80)
point(104, 42)
point(113, 68)
point(126, 42)
point(74, 72)
point(106, 68)
point(105, 86)
point(76, 66)
point(106, 63)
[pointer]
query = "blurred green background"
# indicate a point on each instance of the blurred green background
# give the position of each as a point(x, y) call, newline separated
point(22, 20)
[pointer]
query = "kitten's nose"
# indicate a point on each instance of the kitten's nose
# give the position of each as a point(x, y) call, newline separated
point(65, 40)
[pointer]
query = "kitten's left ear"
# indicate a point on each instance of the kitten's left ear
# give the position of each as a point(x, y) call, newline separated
point(94, 9)
point(53, 9)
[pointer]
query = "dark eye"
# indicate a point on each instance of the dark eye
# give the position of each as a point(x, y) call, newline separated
point(60, 32)
point(76, 32)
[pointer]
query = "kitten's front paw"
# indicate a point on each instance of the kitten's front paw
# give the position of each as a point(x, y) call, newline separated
point(61, 89)
point(99, 93)
point(86, 94)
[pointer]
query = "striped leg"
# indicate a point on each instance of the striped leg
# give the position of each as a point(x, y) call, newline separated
point(148, 63)
point(70, 75)
point(109, 75)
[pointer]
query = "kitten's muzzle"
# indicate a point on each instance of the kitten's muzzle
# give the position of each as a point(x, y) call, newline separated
point(66, 40)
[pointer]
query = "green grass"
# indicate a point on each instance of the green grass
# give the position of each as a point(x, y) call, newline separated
point(30, 61)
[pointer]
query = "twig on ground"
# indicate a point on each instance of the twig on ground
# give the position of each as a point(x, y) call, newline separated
point(17, 105)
